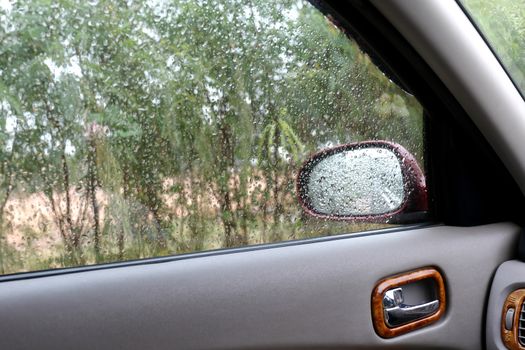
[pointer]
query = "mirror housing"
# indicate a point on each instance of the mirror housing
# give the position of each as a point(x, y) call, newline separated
point(369, 181)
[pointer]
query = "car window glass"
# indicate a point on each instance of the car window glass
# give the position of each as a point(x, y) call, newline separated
point(503, 24)
point(135, 129)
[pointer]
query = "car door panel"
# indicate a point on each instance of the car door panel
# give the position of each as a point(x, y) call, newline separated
point(311, 294)
point(308, 295)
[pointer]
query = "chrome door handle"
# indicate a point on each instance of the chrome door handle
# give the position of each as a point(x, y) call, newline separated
point(397, 313)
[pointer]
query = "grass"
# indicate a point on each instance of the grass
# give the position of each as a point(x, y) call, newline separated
point(30, 256)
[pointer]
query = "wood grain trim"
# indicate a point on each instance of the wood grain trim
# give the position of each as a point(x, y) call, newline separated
point(378, 316)
point(510, 337)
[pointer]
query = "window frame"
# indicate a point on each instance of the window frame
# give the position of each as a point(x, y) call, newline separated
point(460, 163)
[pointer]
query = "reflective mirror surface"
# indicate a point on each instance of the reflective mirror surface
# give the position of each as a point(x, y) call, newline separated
point(356, 182)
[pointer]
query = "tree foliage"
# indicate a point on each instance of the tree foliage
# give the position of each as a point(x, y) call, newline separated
point(140, 129)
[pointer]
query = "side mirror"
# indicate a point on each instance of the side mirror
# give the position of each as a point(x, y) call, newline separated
point(373, 181)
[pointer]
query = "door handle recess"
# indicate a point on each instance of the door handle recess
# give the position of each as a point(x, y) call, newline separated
point(397, 313)
point(392, 317)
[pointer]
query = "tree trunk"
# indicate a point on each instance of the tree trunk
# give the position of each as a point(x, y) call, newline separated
point(278, 208)
point(92, 193)
point(225, 164)
point(66, 187)
point(126, 190)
